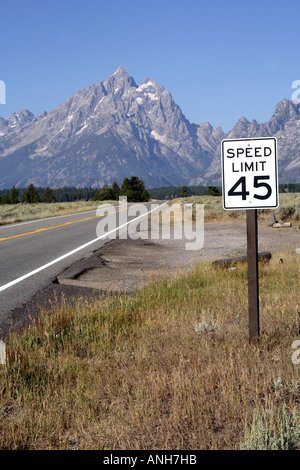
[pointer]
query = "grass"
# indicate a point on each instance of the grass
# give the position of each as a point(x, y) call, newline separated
point(288, 210)
point(169, 367)
point(14, 213)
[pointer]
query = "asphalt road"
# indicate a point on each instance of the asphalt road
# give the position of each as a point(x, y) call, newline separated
point(34, 254)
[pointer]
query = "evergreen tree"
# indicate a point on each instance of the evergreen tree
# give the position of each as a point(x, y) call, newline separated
point(97, 196)
point(49, 195)
point(106, 193)
point(213, 191)
point(14, 195)
point(5, 199)
point(184, 191)
point(134, 190)
point(31, 196)
point(116, 190)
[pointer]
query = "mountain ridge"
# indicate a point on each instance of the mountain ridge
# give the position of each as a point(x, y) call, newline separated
point(117, 128)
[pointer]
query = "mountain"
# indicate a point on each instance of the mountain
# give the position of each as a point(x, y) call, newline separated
point(116, 128)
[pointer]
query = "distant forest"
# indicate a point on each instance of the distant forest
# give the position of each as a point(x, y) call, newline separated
point(60, 195)
point(172, 192)
point(69, 194)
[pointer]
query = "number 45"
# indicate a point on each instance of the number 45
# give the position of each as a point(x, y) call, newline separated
point(256, 184)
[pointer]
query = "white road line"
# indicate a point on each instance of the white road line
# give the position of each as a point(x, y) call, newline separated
point(70, 253)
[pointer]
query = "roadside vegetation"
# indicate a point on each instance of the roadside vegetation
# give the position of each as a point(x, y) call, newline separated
point(14, 213)
point(169, 367)
point(32, 207)
point(173, 192)
point(288, 210)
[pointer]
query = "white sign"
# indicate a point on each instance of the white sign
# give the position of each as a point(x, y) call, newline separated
point(249, 173)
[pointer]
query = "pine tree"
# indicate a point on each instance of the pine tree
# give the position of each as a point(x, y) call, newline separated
point(116, 190)
point(134, 190)
point(49, 195)
point(213, 191)
point(14, 195)
point(31, 196)
point(97, 196)
point(5, 199)
point(184, 191)
point(106, 193)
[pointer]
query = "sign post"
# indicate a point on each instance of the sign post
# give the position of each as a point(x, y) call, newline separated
point(250, 181)
point(252, 259)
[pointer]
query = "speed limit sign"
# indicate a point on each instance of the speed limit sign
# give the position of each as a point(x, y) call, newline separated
point(249, 173)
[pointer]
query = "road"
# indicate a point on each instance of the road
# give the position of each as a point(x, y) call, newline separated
point(34, 253)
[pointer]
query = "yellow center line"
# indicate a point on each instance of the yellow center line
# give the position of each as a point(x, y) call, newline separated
point(63, 225)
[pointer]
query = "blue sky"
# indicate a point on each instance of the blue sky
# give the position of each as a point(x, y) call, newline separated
point(219, 59)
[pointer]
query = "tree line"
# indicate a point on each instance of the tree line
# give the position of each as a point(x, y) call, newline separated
point(133, 189)
point(289, 188)
point(172, 192)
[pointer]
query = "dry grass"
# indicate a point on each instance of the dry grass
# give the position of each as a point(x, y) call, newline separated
point(289, 209)
point(167, 368)
point(14, 213)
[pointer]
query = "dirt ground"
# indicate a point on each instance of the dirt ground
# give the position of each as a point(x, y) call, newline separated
point(121, 266)
point(124, 265)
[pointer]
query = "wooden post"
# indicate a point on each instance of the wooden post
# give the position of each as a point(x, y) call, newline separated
point(252, 258)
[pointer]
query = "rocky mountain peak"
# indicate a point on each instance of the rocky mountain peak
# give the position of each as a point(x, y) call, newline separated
point(120, 80)
point(116, 128)
point(16, 121)
point(206, 126)
point(285, 111)
point(21, 117)
point(120, 71)
point(240, 130)
point(148, 83)
point(219, 132)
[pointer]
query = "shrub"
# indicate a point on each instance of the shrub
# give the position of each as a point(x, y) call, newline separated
point(270, 431)
point(286, 211)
